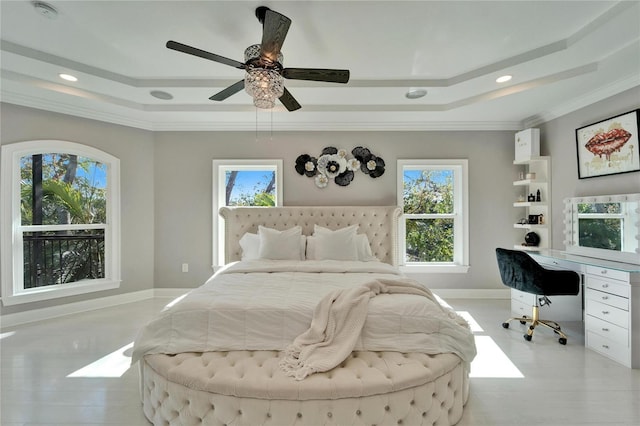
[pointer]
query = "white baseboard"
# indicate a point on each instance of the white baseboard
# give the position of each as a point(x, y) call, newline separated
point(461, 293)
point(33, 315)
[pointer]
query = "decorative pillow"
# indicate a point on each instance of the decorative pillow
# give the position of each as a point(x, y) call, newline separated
point(362, 245)
point(337, 245)
point(250, 245)
point(364, 248)
point(280, 245)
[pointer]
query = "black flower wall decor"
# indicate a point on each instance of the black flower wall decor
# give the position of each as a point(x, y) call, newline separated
point(339, 165)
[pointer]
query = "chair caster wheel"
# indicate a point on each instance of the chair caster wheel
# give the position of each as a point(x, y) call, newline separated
point(527, 337)
point(562, 341)
point(505, 325)
point(523, 322)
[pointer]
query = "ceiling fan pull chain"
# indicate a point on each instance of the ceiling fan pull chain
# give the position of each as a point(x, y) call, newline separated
point(256, 108)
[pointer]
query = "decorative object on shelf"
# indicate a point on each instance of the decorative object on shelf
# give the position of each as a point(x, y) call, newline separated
point(523, 221)
point(538, 199)
point(531, 239)
point(531, 198)
point(540, 219)
point(338, 165)
point(531, 176)
point(521, 198)
point(533, 219)
point(609, 147)
point(527, 144)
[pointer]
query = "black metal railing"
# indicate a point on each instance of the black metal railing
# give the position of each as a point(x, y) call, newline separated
point(59, 257)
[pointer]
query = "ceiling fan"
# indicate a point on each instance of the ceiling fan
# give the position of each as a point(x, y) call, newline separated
point(265, 74)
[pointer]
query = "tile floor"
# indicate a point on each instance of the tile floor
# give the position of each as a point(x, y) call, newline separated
point(53, 373)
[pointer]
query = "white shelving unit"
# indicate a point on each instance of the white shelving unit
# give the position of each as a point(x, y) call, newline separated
point(541, 167)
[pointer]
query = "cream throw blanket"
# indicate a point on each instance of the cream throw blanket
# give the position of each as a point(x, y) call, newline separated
point(337, 322)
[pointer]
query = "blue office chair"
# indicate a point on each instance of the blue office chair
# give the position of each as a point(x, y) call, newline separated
point(520, 271)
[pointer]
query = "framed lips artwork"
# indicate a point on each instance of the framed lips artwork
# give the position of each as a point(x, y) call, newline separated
point(609, 147)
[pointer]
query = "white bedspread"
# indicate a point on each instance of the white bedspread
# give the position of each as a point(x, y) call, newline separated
point(265, 305)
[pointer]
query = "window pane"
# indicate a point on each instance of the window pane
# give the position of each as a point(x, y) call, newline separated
point(428, 191)
point(600, 233)
point(604, 208)
point(429, 240)
point(250, 187)
point(59, 257)
point(68, 189)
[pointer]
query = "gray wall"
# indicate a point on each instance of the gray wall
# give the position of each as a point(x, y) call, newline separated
point(166, 185)
point(183, 190)
point(134, 148)
point(558, 139)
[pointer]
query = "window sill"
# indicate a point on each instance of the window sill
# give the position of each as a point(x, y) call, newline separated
point(435, 269)
point(64, 290)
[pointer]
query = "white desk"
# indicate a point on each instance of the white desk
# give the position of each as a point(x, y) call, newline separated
point(611, 293)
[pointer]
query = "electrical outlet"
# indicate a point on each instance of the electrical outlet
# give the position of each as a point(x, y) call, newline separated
point(185, 267)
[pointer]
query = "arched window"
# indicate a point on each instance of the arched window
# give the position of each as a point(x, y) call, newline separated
point(60, 220)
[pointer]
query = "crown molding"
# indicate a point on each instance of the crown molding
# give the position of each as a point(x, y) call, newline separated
point(587, 99)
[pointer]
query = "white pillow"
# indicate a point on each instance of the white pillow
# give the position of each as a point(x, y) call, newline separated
point(338, 245)
point(362, 245)
point(364, 248)
point(250, 245)
point(280, 245)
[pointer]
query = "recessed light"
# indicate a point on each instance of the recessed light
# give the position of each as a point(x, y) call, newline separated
point(503, 79)
point(68, 77)
point(415, 93)
point(161, 95)
point(45, 9)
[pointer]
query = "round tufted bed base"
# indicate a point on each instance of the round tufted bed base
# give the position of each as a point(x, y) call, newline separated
point(248, 388)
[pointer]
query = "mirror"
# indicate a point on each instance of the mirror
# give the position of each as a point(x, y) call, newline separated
point(606, 227)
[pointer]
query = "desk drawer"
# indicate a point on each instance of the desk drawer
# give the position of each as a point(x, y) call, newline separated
point(607, 273)
point(610, 286)
point(522, 297)
point(616, 351)
point(608, 299)
point(608, 313)
point(605, 329)
point(555, 263)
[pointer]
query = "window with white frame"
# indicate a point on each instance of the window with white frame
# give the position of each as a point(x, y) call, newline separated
point(61, 218)
point(434, 234)
point(242, 183)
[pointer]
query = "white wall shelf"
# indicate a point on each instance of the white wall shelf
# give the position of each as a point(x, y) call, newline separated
point(541, 167)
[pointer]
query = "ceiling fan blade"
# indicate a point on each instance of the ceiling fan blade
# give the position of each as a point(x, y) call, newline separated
point(289, 101)
point(203, 54)
point(231, 90)
point(316, 74)
point(274, 30)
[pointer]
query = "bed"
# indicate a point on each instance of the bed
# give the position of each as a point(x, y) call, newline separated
point(217, 355)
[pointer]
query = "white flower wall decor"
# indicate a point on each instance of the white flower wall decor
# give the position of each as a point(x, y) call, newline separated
point(339, 165)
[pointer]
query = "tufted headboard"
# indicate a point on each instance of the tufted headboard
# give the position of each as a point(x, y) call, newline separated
point(379, 223)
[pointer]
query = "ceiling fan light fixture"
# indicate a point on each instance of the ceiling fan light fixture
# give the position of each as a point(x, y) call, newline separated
point(264, 85)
